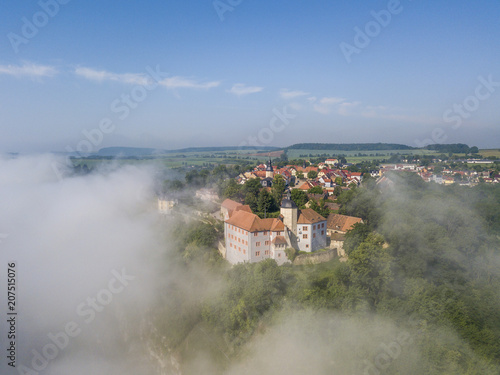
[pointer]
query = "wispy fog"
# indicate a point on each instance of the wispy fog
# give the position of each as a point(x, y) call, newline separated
point(70, 239)
point(97, 291)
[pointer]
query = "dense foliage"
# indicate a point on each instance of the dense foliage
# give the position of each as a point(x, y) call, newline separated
point(426, 254)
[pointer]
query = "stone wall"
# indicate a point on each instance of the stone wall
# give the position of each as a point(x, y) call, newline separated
point(315, 258)
point(222, 249)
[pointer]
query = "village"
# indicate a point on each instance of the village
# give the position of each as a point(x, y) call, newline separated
point(305, 218)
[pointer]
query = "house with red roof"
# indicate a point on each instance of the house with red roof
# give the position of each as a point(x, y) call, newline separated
point(250, 239)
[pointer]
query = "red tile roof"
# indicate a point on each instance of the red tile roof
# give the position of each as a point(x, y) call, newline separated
point(342, 223)
point(305, 186)
point(309, 216)
point(279, 240)
point(252, 223)
point(230, 205)
point(245, 207)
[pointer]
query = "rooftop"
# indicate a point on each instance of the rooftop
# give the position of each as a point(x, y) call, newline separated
point(309, 216)
point(342, 223)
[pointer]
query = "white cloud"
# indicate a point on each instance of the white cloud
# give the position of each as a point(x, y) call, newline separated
point(331, 100)
point(143, 79)
point(241, 89)
point(185, 83)
point(291, 94)
point(326, 104)
point(28, 70)
point(102, 75)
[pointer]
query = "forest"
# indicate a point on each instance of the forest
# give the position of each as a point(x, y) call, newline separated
point(419, 293)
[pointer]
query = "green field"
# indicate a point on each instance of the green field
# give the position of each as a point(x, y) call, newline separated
point(354, 156)
point(186, 159)
point(488, 153)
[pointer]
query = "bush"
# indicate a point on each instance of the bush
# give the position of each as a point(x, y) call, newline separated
point(291, 253)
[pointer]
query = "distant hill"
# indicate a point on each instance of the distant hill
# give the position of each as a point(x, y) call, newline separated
point(135, 151)
point(129, 151)
point(350, 146)
point(141, 152)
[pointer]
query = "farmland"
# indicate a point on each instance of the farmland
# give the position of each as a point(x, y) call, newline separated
point(354, 156)
point(178, 160)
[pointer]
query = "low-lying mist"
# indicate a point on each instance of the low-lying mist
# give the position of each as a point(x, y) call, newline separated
point(105, 285)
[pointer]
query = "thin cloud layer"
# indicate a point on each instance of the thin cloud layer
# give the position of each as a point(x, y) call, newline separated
point(240, 89)
point(292, 94)
point(102, 75)
point(186, 83)
point(175, 82)
point(28, 70)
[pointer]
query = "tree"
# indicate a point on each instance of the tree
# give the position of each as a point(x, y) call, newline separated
point(252, 186)
point(370, 267)
point(232, 189)
point(355, 237)
point(265, 202)
point(278, 188)
point(291, 253)
point(299, 197)
point(300, 175)
point(339, 181)
point(337, 191)
point(320, 208)
point(312, 175)
point(196, 178)
point(315, 190)
point(368, 181)
point(251, 200)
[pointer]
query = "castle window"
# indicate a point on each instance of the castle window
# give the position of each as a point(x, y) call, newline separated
point(257, 253)
point(314, 227)
point(304, 236)
point(257, 244)
point(255, 234)
point(314, 235)
point(266, 243)
point(322, 232)
point(307, 246)
point(304, 228)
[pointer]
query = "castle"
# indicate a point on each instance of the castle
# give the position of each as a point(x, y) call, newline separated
point(250, 239)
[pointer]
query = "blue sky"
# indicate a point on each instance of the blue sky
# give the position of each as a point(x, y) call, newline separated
point(254, 72)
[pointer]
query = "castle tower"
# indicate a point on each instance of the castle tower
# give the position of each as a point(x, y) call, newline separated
point(290, 212)
point(269, 170)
